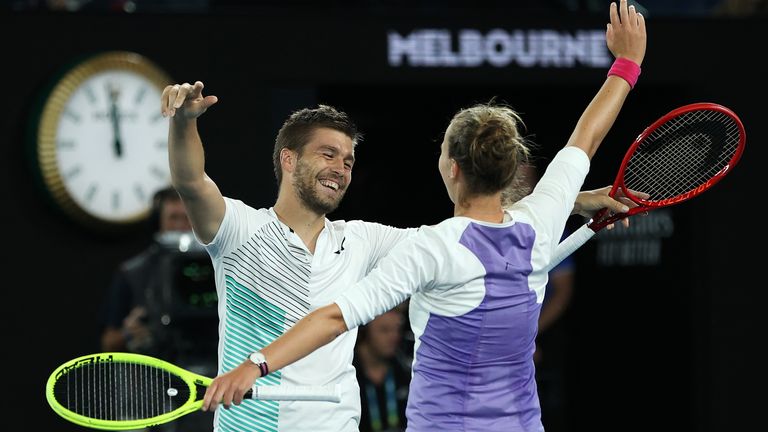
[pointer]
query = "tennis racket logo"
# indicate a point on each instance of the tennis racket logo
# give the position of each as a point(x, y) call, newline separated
point(678, 157)
point(687, 195)
point(82, 362)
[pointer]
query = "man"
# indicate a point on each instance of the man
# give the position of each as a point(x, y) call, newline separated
point(137, 302)
point(383, 373)
point(124, 326)
point(274, 265)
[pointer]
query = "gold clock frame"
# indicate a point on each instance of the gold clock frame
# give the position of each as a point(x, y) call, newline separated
point(46, 128)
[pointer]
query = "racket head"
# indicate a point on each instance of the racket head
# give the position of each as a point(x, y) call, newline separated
point(122, 391)
point(679, 156)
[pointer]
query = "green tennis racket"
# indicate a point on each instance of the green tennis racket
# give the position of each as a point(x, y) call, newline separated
point(122, 391)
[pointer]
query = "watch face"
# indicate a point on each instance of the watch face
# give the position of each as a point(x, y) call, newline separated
point(102, 142)
point(257, 358)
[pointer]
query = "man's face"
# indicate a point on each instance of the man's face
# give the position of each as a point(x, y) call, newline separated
point(173, 216)
point(384, 334)
point(324, 170)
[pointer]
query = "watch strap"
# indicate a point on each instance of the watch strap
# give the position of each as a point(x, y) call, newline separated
point(258, 359)
point(264, 369)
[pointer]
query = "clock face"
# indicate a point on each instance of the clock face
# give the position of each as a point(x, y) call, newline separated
point(112, 145)
point(102, 142)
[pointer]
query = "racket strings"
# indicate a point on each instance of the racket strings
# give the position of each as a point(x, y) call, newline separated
point(682, 154)
point(120, 391)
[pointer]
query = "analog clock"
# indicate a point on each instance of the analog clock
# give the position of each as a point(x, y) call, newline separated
point(100, 142)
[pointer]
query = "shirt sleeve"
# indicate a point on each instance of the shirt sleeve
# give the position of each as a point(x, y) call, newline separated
point(410, 266)
point(218, 244)
point(239, 219)
point(383, 238)
point(552, 199)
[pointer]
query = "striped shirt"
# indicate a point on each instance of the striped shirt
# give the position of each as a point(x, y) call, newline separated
point(266, 280)
point(476, 290)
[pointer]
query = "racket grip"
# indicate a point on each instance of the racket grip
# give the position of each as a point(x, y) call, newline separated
point(570, 244)
point(328, 393)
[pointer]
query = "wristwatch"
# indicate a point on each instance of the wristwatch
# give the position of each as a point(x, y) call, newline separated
point(259, 360)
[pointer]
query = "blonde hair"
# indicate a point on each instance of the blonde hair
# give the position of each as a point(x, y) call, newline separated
point(486, 142)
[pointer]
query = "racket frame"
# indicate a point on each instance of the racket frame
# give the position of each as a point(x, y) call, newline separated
point(191, 379)
point(603, 219)
point(194, 381)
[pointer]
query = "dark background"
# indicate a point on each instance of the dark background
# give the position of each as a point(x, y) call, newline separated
point(674, 346)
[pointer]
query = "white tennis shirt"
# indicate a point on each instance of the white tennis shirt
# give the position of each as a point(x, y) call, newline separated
point(476, 290)
point(266, 281)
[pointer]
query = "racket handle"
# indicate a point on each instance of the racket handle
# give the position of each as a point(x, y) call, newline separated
point(570, 244)
point(329, 393)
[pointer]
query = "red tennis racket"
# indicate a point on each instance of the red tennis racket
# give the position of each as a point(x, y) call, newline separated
point(678, 157)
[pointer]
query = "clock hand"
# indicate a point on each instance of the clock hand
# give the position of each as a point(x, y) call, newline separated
point(114, 117)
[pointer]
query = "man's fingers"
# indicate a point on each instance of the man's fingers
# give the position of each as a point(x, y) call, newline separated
point(170, 94)
point(185, 95)
point(209, 100)
point(198, 88)
point(186, 91)
point(164, 100)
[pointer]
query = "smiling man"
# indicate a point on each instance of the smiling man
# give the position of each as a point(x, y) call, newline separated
point(275, 265)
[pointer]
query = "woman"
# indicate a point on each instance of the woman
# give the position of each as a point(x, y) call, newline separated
point(476, 280)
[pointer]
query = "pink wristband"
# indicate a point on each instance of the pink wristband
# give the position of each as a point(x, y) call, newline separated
point(626, 69)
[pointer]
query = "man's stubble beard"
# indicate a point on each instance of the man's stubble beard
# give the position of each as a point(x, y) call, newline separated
point(304, 181)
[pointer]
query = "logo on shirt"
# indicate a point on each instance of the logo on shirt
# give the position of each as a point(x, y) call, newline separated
point(341, 248)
